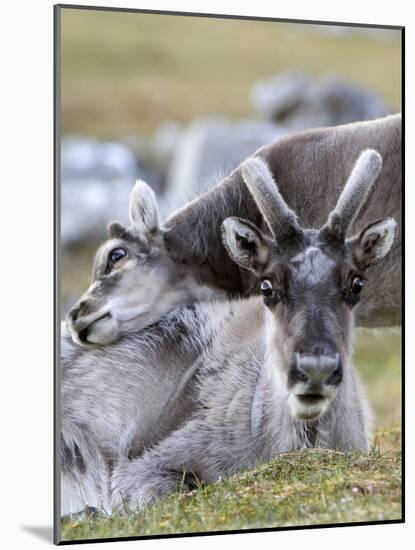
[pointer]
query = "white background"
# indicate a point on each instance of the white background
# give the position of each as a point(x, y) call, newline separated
point(26, 270)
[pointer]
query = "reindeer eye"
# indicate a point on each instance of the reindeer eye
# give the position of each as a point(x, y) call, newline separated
point(357, 285)
point(266, 288)
point(117, 254)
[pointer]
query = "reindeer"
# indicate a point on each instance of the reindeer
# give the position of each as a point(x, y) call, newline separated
point(186, 257)
point(135, 282)
point(311, 168)
point(217, 387)
point(184, 261)
point(292, 384)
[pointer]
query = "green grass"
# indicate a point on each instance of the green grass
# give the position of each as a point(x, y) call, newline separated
point(378, 359)
point(125, 74)
point(299, 488)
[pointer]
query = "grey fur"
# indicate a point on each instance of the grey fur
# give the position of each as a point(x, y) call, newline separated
point(208, 391)
point(311, 168)
point(144, 214)
point(280, 219)
point(138, 289)
point(364, 174)
point(231, 412)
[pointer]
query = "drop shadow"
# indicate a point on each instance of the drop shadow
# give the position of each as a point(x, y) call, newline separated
point(41, 532)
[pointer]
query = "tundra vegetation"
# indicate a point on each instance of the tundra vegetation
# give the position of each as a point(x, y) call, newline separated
point(176, 76)
point(310, 487)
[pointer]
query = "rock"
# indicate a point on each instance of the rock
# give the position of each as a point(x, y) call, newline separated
point(88, 205)
point(96, 181)
point(164, 143)
point(276, 98)
point(331, 101)
point(344, 30)
point(87, 158)
point(208, 151)
point(299, 103)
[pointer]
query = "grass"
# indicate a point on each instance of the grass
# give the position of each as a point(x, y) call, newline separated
point(125, 74)
point(299, 488)
point(378, 359)
point(76, 269)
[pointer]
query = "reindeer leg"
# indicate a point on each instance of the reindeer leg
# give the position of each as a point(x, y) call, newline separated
point(160, 470)
point(84, 472)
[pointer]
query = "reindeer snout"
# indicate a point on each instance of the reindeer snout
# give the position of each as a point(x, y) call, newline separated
point(79, 310)
point(315, 371)
point(77, 322)
point(89, 324)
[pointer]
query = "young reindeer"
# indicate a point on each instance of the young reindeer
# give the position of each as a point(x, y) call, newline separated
point(275, 377)
point(135, 282)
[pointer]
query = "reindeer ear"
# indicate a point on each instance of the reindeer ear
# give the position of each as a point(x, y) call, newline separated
point(246, 244)
point(374, 243)
point(116, 230)
point(144, 213)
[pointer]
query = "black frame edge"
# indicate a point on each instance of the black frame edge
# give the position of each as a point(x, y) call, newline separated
point(230, 16)
point(403, 340)
point(57, 271)
point(233, 532)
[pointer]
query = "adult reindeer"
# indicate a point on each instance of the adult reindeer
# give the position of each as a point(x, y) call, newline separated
point(310, 168)
point(217, 387)
point(185, 261)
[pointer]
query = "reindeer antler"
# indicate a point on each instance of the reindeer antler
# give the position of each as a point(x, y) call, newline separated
point(281, 220)
point(361, 180)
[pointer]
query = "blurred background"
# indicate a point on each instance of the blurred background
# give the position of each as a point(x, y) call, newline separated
point(181, 101)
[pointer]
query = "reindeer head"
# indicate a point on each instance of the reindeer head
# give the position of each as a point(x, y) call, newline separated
point(134, 280)
point(311, 280)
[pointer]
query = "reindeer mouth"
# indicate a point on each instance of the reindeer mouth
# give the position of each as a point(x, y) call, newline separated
point(310, 398)
point(308, 406)
point(89, 331)
point(83, 334)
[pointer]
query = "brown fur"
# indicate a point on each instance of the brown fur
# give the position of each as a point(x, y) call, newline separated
point(310, 169)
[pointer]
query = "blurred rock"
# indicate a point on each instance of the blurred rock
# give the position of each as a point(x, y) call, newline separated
point(299, 103)
point(96, 182)
point(209, 150)
point(87, 158)
point(368, 32)
point(278, 97)
point(164, 143)
point(88, 204)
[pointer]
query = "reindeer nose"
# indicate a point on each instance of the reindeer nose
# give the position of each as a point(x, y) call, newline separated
point(316, 370)
point(78, 319)
point(78, 310)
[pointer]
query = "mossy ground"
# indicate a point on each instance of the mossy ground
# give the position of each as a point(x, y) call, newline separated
point(311, 487)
